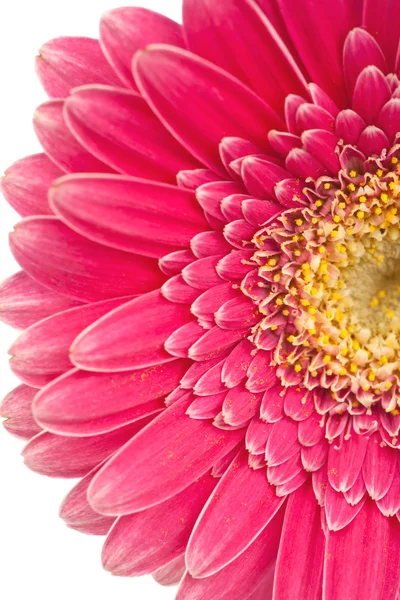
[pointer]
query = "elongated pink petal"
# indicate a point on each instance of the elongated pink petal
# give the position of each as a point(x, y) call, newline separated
point(179, 86)
point(147, 540)
point(159, 462)
point(210, 377)
point(60, 456)
point(247, 503)
point(24, 301)
point(177, 290)
point(237, 313)
point(389, 118)
point(360, 50)
point(66, 62)
point(300, 559)
point(129, 214)
point(314, 26)
point(261, 176)
point(349, 126)
point(209, 243)
point(41, 353)
point(174, 262)
point(59, 143)
point(209, 301)
point(322, 145)
point(26, 182)
point(379, 467)
point(363, 559)
point(172, 573)
point(206, 407)
point(282, 443)
point(339, 512)
point(66, 262)
point(215, 342)
point(77, 512)
point(389, 505)
point(82, 403)
point(124, 31)
point(117, 127)
point(371, 92)
point(181, 340)
point(345, 462)
point(16, 409)
point(109, 345)
point(202, 273)
point(383, 22)
point(240, 406)
point(372, 141)
point(240, 578)
point(257, 56)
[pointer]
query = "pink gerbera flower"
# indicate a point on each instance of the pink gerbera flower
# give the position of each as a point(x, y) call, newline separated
point(210, 295)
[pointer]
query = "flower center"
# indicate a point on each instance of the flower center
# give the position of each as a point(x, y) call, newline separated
point(331, 276)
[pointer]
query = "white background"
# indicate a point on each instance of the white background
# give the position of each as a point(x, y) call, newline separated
point(39, 556)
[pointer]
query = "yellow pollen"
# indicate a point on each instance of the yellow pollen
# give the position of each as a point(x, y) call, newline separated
point(297, 368)
point(360, 214)
point(344, 334)
point(342, 204)
point(394, 160)
point(353, 368)
point(327, 358)
point(327, 186)
point(388, 385)
point(291, 338)
point(322, 249)
point(299, 222)
point(342, 371)
point(353, 173)
point(318, 203)
point(351, 187)
point(337, 219)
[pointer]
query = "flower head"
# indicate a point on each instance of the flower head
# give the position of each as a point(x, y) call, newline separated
point(210, 295)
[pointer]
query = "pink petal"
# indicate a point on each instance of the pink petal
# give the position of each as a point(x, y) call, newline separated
point(202, 274)
point(209, 301)
point(16, 409)
point(179, 86)
point(194, 178)
point(339, 512)
point(26, 182)
point(180, 341)
point(310, 430)
point(159, 462)
point(108, 345)
point(172, 573)
point(389, 505)
point(363, 559)
point(66, 62)
point(59, 143)
point(210, 196)
point(285, 472)
point(174, 262)
point(67, 457)
point(349, 126)
point(302, 164)
point(140, 543)
point(371, 92)
point(372, 141)
point(311, 116)
point(236, 265)
point(236, 313)
point(82, 403)
point(237, 364)
point(258, 212)
point(257, 56)
point(322, 145)
point(24, 301)
point(79, 515)
point(143, 217)
point(261, 374)
point(298, 571)
point(233, 148)
point(241, 577)
point(117, 127)
point(209, 243)
point(313, 27)
point(379, 467)
point(322, 99)
point(345, 461)
point(298, 405)
point(64, 261)
point(360, 50)
point(206, 407)
point(177, 290)
point(257, 434)
point(41, 353)
point(196, 372)
point(240, 406)
point(282, 443)
point(260, 176)
point(383, 22)
point(282, 142)
point(271, 409)
point(210, 377)
point(389, 118)
point(247, 503)
point(215, 342)
point(314, 457)
point(124, 31)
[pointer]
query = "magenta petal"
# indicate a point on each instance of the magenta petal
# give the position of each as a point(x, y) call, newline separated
point(179, 86)
point(261, 176)
point(24, 301)
point(372, 141)
point(66, 62)
point(237, 313)
point(79, 515)
point(339, 512)
point(177, 290)
point(360, 50)
point(117, 127)
point(215, 342)
point(59, 143)
point(174, 262)
point(60, 456)
point(300, 559)
point(379, 467)
point(241, 577)
point(240, 406)
point(140, 543)
point(382, 20)
point(26, 182)
point(159, 462)
point(389, 505)
point(237, 364)
point(108, 345)
point(124, 31)
point(210, 377)
point(349, 126)
point(209, 243)
point(302, 164)
point(345, 461)
point(257, 56)
point(171, 573)
point(322, 145)
point(40, 353)
point(129, 214)
point(371, 92)
point(16, 409)
point(206, 407)
point(208, 302)
point(282, 443)
point(363, 559)
point(389, 118)
point(64, 261)
point(181, 340)
point(247, 502)
point(314, 26)
point(82, 403)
